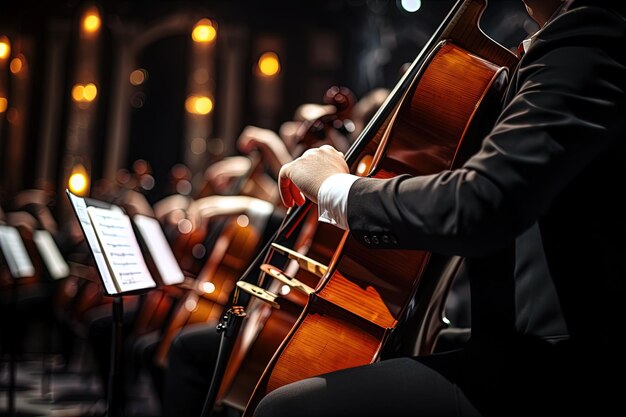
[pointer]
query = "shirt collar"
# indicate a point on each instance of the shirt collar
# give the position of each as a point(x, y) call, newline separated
point(559, 11)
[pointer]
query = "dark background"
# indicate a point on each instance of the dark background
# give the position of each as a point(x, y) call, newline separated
point(374, 37)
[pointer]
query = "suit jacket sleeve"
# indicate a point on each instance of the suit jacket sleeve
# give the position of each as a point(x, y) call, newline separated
point(565, 106)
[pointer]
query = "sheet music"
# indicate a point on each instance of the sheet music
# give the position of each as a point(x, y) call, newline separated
point(15, 252)
point(160, 250)
point(51, 255)
point(80, 207)
point(120, 248)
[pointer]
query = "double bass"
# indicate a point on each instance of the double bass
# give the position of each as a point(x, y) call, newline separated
point(376, 303)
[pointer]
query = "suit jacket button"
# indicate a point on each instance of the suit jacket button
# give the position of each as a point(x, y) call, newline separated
point(385, 239)
point(366, 239)
point(393, 239)
point(375, 240)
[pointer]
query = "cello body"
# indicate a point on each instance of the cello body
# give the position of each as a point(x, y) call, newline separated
point(266, 327)
point(433, 120)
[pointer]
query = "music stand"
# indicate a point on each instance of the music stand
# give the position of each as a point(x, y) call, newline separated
point(122, 269)
point(117, 252)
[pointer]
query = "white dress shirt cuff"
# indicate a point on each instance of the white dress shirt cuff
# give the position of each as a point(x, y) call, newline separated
point(332, 199)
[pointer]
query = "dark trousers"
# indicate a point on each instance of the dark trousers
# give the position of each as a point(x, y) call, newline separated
point(189, 372)
point(519, 379)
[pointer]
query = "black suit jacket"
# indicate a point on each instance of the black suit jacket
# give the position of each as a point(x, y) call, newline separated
point(555, 160)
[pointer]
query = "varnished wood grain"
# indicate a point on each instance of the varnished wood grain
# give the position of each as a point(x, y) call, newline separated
point(232, 252)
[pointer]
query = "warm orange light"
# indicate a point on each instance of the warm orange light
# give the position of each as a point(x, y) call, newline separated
point(204, 105)
point(90, 92)
point(5, 47)
point(269, 64)
point(91, 22)
point(138, 76)
point(16, 65)
point(78, 182)
point(3, 104)
point(78, 92)
point(199, 105)
point(204, 31)
point(84, 93)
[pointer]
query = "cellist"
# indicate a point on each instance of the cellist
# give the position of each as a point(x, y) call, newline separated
point(545, 176)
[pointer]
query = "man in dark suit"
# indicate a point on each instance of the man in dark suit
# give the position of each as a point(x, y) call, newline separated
point(546, 175)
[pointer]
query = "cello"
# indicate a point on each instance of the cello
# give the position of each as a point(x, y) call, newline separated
point(237, 243)
point(367, 300)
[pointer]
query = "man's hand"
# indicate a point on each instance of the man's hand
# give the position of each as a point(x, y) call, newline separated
point(304, 176)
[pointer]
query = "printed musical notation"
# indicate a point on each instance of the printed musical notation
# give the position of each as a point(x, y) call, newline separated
point(121, 249)
point(110, 236)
